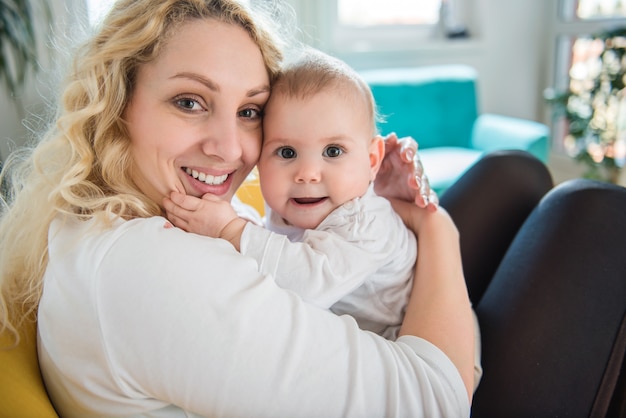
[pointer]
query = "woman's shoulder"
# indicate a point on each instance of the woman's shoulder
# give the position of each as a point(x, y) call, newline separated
point(68, 230)
point(148, 238)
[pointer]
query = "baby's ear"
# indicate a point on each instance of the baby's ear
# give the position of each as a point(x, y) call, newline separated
point(377, 153)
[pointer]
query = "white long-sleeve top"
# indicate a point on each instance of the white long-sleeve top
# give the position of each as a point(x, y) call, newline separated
point(359, 261)
point(143, 320)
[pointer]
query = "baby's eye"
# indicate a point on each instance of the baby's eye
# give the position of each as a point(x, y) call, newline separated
point(286, 152)
point(251, 113)
point(332, 151)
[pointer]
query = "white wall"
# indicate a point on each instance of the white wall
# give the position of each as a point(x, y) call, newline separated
point(515, 65)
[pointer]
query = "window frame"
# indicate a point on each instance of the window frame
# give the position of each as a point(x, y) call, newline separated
point(320, 20)
point(346, 38)
point(568, 27)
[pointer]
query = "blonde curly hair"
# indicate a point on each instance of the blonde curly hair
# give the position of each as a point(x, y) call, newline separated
point(81, 167)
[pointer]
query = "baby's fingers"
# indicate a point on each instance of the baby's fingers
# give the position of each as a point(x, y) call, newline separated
point(185, 201)
point(211, 198)
point(172, 212)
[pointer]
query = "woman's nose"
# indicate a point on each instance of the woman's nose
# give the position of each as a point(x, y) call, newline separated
point(308, 171)
point(224, 140)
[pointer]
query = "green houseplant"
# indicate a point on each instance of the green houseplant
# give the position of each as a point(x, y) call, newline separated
point(18, 46)
point(594, 105)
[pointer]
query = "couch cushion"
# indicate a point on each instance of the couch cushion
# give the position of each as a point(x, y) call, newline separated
point(436, 105)
point(22, 392)
point(444, 165)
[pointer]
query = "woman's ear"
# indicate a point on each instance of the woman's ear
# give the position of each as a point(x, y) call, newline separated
point(377, 153)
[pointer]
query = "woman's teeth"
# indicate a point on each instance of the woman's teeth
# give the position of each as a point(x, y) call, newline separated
point(207, 178)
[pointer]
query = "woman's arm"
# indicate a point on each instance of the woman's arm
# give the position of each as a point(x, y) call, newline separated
point(189, 321)
point(439, 309)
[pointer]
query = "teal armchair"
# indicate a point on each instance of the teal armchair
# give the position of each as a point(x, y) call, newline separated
point(438, 107)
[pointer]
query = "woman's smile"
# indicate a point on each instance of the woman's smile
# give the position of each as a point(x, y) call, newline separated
point(207, 178)
point(199, 182)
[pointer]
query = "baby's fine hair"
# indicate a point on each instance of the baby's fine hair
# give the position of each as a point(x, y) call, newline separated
point(81, 166)
point(313, 72)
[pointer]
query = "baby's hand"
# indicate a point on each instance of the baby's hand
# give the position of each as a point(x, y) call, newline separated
point(207, 216)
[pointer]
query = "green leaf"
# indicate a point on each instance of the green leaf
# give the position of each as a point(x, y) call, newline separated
point(18, 46)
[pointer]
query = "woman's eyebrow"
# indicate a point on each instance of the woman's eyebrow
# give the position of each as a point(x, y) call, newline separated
point(208, 83)
point(261, 90)
point(211, 85)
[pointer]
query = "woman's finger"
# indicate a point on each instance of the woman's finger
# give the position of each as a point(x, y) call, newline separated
point(408, 148)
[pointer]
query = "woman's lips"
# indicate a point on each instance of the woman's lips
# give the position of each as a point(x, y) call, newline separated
point(209, 179)
point(200, 183)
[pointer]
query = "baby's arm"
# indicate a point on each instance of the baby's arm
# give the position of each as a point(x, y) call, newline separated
point(208, 216)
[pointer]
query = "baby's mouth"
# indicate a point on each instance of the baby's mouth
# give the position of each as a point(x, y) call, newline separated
point(207, 178)
point(308, 200)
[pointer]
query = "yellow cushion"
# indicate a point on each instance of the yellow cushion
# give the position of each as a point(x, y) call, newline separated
point(250, 192)
point(22, 392)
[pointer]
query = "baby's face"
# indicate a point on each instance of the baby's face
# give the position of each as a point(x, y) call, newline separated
point(316, 156)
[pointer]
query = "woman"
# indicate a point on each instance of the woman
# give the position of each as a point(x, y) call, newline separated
point(136, 317)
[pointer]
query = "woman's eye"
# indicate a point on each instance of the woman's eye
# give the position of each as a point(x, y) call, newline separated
point(251, 113)
point(333, 151)
point(286, 152)
point(188, 104)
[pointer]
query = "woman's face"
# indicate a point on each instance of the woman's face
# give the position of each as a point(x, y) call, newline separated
point(194, 118)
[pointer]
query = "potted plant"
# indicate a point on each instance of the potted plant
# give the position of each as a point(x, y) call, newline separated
point(594, 105)
point(18, 46)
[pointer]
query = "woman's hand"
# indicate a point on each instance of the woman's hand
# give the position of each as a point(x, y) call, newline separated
point(401, 175)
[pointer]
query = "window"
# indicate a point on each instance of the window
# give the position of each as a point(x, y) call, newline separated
point(577, 54)
point(370, 25)
point(599, 9)
point(370, 13)
point(96, 9)
point(346, 26)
